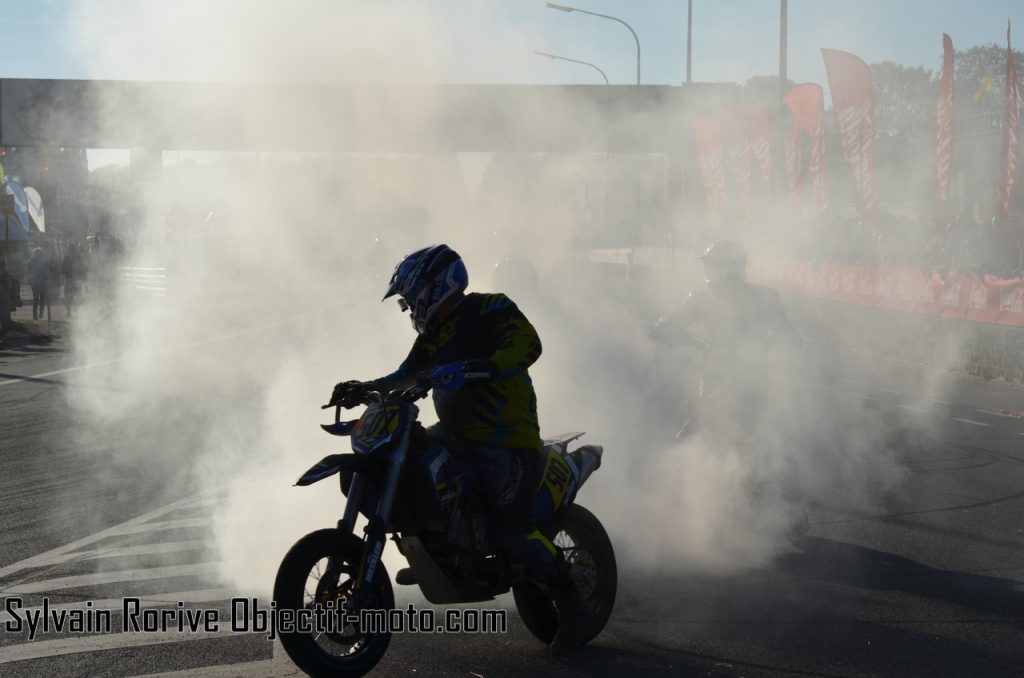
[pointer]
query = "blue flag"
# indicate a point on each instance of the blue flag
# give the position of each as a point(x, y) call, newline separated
point(20, 203)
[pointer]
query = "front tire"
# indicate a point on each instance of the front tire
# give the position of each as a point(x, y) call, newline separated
point(585, 546)
point(322, 567)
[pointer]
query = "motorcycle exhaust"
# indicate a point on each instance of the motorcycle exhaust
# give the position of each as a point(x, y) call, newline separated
point(587, 459)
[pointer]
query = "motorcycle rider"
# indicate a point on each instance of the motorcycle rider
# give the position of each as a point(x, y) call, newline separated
point(494, 418)
point(740, 319)
point(743, 325)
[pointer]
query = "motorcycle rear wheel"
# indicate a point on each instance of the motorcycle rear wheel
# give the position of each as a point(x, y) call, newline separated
point(322, 567)
point(584, 544)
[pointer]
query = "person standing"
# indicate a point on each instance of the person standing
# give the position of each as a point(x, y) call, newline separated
point(72, 268)
point(10, 299)
point(37, 272)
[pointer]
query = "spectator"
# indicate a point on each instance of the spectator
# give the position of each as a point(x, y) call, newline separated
point(10, 299)
point(54, 278)
point(37, 272)
point(73, 268)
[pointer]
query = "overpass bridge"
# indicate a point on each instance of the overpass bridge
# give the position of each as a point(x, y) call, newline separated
point(353, 118)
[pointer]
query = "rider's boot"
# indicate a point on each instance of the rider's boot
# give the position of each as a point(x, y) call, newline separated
point(574, 613)
point(405, 577)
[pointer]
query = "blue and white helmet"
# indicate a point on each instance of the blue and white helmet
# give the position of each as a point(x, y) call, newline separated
point(425, 279)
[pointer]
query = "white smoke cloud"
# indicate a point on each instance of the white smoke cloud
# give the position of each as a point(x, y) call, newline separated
point(298, 249)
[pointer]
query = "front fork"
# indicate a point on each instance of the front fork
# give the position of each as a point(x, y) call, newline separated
point(376, 528)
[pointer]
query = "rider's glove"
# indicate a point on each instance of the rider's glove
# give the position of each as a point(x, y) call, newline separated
point(453, 376)
point(348, 393)
point(480, 369)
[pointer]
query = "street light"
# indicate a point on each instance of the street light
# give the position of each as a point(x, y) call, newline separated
point(575, 61)
point(566, 8)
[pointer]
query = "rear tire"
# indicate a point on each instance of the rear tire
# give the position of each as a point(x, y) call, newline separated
point(585, 546)
point(321, 567)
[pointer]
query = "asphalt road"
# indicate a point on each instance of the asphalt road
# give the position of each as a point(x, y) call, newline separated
point(931, 585)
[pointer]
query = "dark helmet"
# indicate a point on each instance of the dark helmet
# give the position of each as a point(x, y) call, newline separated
point(425, 279)
point(725, 261)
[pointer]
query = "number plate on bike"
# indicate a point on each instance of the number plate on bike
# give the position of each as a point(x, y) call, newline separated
point(377, 426)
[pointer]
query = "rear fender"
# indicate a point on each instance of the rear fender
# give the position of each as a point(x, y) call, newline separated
point(561, 478)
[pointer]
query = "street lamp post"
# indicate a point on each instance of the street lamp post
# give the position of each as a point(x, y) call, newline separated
point(565, 8)
point(575, 61)
point(689, 40)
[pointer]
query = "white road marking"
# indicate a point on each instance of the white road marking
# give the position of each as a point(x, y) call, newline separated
point(114, 604)
point(160, 526)
point(971, 422)
point(143, 574)
point(133, 526)
point(128, 551)
point(915, 409)
point(73, 645)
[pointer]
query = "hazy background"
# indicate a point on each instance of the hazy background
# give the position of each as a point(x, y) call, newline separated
point(276, 264)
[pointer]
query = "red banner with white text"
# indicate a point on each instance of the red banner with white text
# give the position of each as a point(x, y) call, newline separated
point(759, 136)
point(850, 81)
point(1011, 130)
point(734, 134)
point(794, 157)
point(944, 124)
point(960, 296)
point(709, 147)
point(807, 103)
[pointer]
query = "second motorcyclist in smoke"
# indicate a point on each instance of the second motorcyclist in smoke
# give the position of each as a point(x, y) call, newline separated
point(742, 323)
point(494, 419)
point(743, 369)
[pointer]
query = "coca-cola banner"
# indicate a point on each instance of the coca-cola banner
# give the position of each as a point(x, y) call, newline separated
point(944, 124)
point(709, 147)
point(850, 82)
point(958, 296)
point(1011, 139)
point(807, 103)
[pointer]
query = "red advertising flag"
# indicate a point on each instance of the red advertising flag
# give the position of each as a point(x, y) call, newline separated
point(850, 81)
point(738, 149)
point(807, 102)
point(709, 147)
point(759, 136)
point(944, 124)
point(1011, 139)
point(793, 155)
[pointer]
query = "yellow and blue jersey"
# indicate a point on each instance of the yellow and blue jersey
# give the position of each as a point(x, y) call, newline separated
point(500, 412)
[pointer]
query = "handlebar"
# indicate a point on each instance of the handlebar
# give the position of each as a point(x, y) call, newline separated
point(375, 393)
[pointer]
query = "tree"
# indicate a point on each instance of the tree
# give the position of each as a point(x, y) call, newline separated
point(765, 89)
point(904, 100)
point(971, 69)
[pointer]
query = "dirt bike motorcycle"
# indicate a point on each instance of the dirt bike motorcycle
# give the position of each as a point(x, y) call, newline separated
point(425, 494)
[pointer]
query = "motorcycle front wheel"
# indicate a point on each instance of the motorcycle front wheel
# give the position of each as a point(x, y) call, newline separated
point(322, 567)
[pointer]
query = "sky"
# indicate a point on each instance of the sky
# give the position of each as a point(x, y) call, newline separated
point(492, 41)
